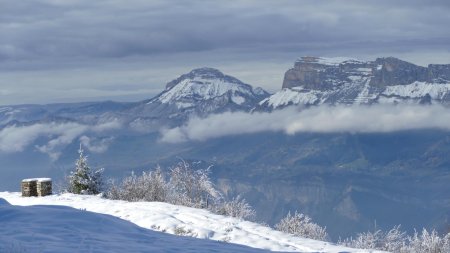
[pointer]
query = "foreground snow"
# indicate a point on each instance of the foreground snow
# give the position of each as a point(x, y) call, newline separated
point(56, 224)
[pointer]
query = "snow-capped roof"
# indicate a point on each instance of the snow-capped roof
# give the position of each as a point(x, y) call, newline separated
point(41, 179)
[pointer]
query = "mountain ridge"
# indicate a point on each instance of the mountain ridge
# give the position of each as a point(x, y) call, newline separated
point(318, 80)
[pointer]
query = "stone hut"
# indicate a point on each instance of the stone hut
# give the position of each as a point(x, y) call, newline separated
point(34, 187)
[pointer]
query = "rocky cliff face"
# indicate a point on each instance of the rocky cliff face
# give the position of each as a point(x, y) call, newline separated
point(324, 73)
point(316, 80)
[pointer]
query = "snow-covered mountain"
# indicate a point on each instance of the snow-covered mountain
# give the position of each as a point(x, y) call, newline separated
point(201, 92)
point(53, 227)
point(317, 80)
point(198, 93)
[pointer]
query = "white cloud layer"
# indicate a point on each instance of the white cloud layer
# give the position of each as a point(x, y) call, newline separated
point(322, 119)
point(96, 145)
point(17, 138)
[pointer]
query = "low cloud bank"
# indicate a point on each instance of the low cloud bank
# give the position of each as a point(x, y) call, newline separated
point(17, 138)
point(321, 119)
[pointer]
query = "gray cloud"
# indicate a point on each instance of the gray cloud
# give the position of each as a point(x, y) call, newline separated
point(321, 119)
point(17, 138)
point(69, 45)
point(96, 145)
point(113, 29)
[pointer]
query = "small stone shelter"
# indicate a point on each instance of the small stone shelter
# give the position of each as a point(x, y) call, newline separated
point(36, 187)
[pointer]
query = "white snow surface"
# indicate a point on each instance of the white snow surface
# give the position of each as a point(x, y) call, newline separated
point(202, 88)
point(295, 96)
point(419, 89)
point(55, 228)
point(405, 94)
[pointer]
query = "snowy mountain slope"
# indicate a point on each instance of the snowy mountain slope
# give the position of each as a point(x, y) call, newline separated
point(318, 80)
point(151, 215)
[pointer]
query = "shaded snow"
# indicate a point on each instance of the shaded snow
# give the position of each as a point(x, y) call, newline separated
point(110, 232)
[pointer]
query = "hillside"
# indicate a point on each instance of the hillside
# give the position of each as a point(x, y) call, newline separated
point(62, 223)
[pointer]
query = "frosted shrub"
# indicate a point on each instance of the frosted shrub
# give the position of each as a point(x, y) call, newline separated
point(83, 180)
point(429, 242)
point(237, 207)
point(192, 188)
point(393, 241)
point(396, 241)
point(150, 186)
point(301, 225)
point(184, 186)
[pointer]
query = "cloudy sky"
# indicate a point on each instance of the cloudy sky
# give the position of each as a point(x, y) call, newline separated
point(83, 50)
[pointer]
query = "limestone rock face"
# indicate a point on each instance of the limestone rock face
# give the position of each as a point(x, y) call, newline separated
point(318, 80)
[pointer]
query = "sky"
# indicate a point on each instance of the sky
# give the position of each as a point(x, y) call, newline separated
point(82, 50)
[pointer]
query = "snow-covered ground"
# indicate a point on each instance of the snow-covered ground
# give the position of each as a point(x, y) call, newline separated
point(55, 228)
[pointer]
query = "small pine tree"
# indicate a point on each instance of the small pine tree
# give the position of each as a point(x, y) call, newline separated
point(83, 180)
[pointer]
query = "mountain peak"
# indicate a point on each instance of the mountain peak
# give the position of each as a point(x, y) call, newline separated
point(204, 73)
point(211, 90)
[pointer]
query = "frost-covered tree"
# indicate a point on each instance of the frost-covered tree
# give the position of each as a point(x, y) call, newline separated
point(301, 225)
point(83, 180)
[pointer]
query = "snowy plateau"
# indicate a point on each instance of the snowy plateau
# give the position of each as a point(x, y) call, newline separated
point(81, 223)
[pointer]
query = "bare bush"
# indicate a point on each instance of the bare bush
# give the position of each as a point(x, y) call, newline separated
point(396, 240)
point(192, 188)
point(429, 242)
point(150, 186)
point(393, 241)
point(237, 207)
point(301, 225)
point(184, 186)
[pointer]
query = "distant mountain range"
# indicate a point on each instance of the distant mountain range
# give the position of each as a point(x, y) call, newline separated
point(312, 81)
point(345, 181)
